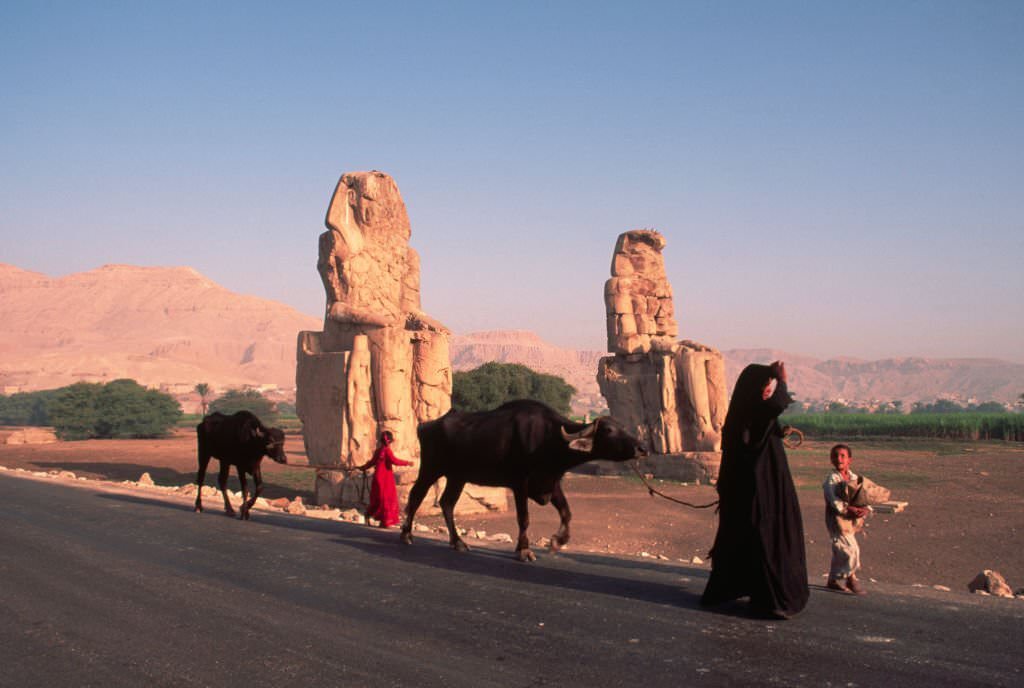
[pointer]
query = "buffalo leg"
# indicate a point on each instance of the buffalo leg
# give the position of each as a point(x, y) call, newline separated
point(558, 500)
point(451, 494)
point(222, 482)
point(257, 489)
point(204, 461)
point(416, 495)
point(243, 510)
point(523, 551)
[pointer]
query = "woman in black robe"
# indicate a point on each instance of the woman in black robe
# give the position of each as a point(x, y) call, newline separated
point(759, 548)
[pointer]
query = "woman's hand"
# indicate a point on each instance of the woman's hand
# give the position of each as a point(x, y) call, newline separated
point(779, 370)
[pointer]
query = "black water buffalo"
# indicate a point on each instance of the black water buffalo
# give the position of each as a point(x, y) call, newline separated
point(238, 440)
point(523, 445)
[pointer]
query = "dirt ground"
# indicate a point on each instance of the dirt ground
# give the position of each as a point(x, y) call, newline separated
point(965, 505)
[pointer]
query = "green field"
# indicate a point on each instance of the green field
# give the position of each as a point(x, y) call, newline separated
point(957, 426)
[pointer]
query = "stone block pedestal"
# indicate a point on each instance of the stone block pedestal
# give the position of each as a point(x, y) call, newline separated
point(686, 467)
point(334, 488)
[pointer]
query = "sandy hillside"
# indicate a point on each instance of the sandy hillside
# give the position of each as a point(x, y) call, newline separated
point(171, 327)
point(164, 327)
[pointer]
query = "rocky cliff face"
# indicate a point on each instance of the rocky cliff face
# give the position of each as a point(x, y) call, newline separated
point(575, 366)
point(904, 379)
point(162, 326)
point(811, 379)
point(181, 328)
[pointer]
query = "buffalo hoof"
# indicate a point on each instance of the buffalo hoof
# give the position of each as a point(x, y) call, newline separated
point(406, 537)
point(526, 555)
point(199, 508)
point(557, 543)
point(243, 515)
point(460, 546)
point(229, 512)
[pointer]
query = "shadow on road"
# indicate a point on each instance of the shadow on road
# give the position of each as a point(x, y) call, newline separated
point(121, 471)
point(558, 571)
point(578, 571)
point(164, 476)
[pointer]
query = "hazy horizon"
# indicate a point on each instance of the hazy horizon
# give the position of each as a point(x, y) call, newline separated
point(831, 180)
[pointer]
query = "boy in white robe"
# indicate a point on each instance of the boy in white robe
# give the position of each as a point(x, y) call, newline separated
point(841, 520)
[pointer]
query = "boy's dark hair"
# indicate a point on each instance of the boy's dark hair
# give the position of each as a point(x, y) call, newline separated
point(386, 435)
point(835, 451)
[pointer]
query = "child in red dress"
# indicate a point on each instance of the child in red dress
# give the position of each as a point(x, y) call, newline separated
point(383, 495)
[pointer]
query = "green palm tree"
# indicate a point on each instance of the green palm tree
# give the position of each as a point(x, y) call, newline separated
point(203, 390)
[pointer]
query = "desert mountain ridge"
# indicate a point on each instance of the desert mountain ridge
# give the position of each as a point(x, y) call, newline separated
point(171, 327)
point(167, 327)
point(846, 379)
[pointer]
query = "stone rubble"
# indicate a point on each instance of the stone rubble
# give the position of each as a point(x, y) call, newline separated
point(31, 436)
point(297, 508)
point(991, 582)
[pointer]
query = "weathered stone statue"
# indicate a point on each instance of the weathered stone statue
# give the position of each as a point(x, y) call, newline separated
point(671, 393)
point(380, 363)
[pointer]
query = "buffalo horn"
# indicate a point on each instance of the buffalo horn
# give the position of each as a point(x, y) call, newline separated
point(586, 432)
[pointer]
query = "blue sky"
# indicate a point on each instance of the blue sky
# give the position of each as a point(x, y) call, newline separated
point(832, 178)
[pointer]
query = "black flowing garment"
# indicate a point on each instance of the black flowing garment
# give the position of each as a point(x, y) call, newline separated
point(759, 548)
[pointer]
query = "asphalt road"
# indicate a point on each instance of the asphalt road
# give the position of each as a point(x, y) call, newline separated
point(104, 587)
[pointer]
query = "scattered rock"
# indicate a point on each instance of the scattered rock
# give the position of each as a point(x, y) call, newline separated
point(420, 528)
point(146, 479)
point(66, 475)
point(297, 507)
point(281, 503)
point(500, 537)
point(327, 514)
point(543, 542)
point(696, 560)
point(349, 515)
point(31, 436)
point(890, 507)
point(991, 582)
point(941, 588)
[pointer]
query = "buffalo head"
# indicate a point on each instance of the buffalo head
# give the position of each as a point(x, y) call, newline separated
point(274, 438)
point(605, 439)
